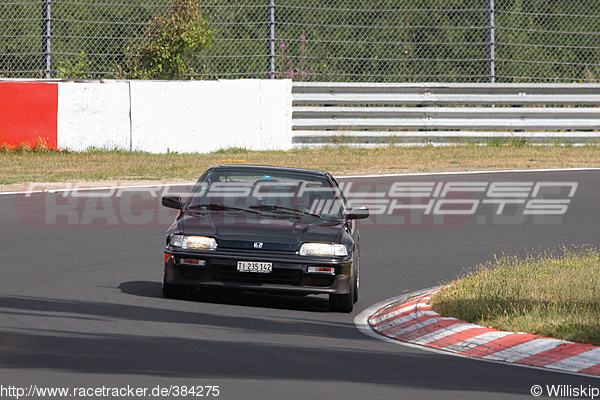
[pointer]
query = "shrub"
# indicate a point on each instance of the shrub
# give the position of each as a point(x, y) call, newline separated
point(173, 40)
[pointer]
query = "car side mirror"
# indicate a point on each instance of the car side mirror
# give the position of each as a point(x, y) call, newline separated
point(172, 202)
point(358, 213)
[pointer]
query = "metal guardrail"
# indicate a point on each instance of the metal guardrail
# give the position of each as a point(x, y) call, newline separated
point(363, 114)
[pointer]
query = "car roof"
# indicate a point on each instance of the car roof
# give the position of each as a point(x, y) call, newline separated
point(272, 169)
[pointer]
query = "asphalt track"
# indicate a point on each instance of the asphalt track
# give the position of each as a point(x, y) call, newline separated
point(81, 306)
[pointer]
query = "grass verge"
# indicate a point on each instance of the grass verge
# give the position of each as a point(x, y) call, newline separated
point(553, 294)
point(19, 166)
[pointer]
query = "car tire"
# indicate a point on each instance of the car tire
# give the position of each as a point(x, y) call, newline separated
point(173, 291)
point(357, 275)
point(356, 285)
point(343, 302)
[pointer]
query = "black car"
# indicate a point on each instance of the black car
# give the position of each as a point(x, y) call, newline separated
point(265, 229)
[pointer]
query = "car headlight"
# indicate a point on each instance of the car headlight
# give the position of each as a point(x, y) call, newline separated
point(323, 249)
point(193, 242)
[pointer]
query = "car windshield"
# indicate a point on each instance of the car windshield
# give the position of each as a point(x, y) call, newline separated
point(268, 192)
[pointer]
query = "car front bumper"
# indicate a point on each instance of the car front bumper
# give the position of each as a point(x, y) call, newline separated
point(289, 274)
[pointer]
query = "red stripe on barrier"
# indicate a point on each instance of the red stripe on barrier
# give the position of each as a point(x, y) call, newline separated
point(28, 113)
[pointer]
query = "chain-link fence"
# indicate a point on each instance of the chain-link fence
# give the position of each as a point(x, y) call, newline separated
point(318, 40)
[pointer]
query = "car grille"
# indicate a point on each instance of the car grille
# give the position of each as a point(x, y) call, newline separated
point(228, 273)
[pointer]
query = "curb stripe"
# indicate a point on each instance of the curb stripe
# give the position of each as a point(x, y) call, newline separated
point(476, 341)
point(407, 319)
point(388, 313)
point(495, 346)
point(423, 329)
point(414, 321)
point(524, 350)
point(480, 340)
point(418, 326)
point(555, 355)
point(579, 362)
point(439, 325)
point(591, 370)
point(404, 314)
point(453, 342)
point(442, 333)
point(398, 315)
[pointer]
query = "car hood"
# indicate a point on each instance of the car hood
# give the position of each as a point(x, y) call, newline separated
point(242, 231)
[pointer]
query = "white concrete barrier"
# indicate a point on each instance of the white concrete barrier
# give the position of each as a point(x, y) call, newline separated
point(204, 116)
point(161, 116)
point(93, 114)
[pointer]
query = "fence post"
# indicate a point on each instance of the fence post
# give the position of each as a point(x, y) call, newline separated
point(271, 39)
point(491, 45)
point(46, 38)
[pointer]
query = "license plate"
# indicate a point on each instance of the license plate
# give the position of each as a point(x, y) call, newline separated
point(252, 266)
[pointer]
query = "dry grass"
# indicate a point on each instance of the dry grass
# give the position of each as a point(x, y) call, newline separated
point(553, 294)
point(20, 167)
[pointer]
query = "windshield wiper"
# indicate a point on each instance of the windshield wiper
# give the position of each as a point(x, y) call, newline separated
point(220, 207)
point(264, 207)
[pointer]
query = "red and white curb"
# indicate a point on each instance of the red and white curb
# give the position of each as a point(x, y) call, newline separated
point(414, 321)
